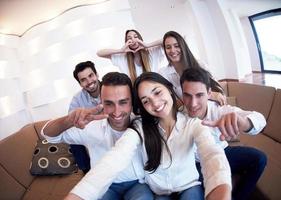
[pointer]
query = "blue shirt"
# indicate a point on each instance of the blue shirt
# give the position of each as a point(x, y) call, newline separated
point(83, 100)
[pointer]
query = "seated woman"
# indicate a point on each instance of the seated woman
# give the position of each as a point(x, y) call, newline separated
point(165, 137)
point(181, 58)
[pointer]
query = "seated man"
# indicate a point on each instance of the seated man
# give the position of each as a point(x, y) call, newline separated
point(100, 135)
point(88, 97)
point(227, 122)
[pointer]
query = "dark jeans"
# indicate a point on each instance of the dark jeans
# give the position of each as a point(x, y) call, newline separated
point(193, 193)
point(81, 156)
point(249, 164)
point(131, 190)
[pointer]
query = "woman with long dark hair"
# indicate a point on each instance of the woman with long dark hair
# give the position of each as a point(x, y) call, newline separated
point(180, 58)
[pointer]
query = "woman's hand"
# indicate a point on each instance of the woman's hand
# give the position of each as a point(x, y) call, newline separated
point(126, 47)
point(218, 97)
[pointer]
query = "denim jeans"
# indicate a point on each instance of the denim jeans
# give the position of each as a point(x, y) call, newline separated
point(248, 163)
point(193, 193)
point(131, 190)
point(81, 157)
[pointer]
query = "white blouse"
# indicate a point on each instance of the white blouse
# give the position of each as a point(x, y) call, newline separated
point(174, 175)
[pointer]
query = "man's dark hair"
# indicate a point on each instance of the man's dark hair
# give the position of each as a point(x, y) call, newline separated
point(115, 79)
point(81, 66)
point(200, 75)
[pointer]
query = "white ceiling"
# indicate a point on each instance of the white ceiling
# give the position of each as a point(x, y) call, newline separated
point(17, 16)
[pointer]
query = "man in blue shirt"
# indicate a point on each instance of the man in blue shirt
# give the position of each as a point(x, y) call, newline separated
point(89, 96)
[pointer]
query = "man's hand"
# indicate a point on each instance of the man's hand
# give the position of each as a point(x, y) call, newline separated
point(81, 116)
point(230, 125)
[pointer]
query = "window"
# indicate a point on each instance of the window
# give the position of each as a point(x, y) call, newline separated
point(267, 31)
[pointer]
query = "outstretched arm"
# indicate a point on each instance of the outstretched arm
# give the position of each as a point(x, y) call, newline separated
point(72, 196)
point(221, 192)
point(95, 183)
point(232, 120)
point(106, 53)
point(151, 44)
point(215, 167)
point(230, 125)
point(78, 118)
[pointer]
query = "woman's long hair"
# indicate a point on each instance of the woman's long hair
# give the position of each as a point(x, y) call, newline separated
point(187, 59)
point(153, 139)
point(144, 54)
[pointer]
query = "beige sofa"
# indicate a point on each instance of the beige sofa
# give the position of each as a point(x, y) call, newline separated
point(266, 100)
point(15, 180)
point(16, 151)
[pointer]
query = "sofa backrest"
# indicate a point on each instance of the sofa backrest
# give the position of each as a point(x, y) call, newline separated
point(224, 86)
point(252, 97)
point(16, 152)
point(273, 128)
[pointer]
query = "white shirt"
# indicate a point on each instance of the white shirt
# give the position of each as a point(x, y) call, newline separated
point(171, 75)
point(171, 176)
point(99, 137)
point(215, 112)
point(156, 57)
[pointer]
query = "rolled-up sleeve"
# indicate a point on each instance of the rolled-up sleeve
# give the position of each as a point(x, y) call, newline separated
point(70, 136)
point(215, 166)
point(96, 182)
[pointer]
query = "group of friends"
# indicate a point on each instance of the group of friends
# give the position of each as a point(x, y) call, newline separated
point(156, 133)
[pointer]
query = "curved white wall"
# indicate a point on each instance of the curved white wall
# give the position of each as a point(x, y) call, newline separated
point(36, 69)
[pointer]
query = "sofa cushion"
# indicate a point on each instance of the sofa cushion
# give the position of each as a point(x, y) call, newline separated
point(52, 159)
point(16, 154)
point(223, 84)
point(52, 187)
point(273, 128)
point(9, 187)
point(270, 181)
point(252, 97)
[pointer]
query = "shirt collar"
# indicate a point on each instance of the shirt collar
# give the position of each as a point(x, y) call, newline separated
point(97, 99)
point(179, 126)
point(171, 69)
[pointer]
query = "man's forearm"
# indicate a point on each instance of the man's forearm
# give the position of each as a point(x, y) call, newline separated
point(57, 126)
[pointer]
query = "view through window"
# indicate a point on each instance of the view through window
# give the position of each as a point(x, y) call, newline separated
point(267, 30)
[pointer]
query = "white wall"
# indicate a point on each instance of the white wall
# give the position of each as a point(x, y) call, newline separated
point(36, 69)
point(13, 110)
point(251, 43)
